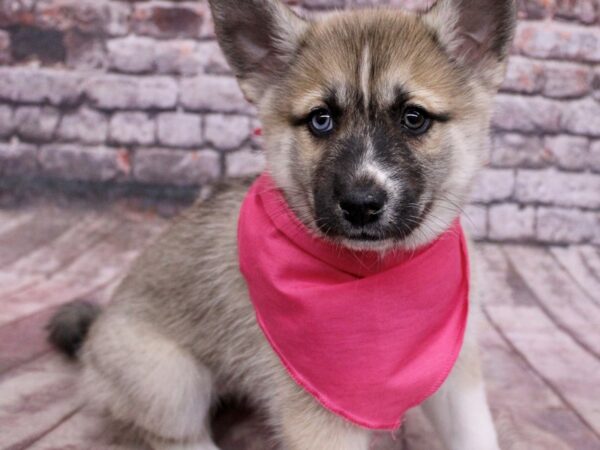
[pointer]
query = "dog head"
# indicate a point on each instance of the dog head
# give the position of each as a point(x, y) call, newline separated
point(375, 121)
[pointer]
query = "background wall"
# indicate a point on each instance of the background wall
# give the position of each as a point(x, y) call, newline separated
point(135, 95)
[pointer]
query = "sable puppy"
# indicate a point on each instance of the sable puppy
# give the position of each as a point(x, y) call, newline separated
point(375, 123)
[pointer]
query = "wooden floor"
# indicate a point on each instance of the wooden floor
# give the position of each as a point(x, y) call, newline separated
point(540, 334)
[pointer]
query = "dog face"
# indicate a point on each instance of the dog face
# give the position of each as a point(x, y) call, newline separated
point(375, 121)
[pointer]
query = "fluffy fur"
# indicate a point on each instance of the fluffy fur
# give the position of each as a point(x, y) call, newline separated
point(181, 330)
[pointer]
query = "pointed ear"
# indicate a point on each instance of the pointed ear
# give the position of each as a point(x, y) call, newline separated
point(476, 33)
point(259, 37)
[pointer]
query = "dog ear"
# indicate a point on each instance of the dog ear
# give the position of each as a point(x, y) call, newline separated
point(476, 33)
point(258, 37)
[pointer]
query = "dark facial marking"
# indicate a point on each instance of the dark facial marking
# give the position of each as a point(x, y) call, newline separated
point(337, 178)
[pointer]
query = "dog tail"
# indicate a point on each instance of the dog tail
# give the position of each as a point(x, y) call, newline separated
point(69, 326)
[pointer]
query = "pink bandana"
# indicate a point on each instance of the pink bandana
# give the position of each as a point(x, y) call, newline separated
point(368, 337)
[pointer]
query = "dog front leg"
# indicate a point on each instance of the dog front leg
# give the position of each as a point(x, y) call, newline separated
point(305, 425)
point(459, 410)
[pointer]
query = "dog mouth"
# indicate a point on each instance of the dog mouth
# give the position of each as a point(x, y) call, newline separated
point(365, 237)
point(371, 234)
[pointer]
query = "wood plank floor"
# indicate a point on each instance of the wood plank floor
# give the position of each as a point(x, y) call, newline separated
point(540, 331)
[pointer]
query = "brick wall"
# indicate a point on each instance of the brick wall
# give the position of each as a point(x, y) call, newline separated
point(136, 93)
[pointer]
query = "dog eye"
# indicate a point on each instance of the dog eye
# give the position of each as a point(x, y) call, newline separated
point(416, 120)
point(320, 122)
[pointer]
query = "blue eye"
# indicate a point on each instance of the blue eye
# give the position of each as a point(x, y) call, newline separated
point(320, 122)
point(416, 120)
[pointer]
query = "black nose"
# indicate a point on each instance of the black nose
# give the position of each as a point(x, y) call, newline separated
point(362, 205)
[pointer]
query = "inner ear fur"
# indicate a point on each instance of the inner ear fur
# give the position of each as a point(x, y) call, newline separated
point(259, 38)
point(476, 33)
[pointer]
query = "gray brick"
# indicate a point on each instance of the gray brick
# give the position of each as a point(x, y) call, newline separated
point(569, 152)
point(582, 117)
point(565, 80)
point(85, 125)
point(5, 55)
point(128, 92)
point(17, 159)
point(595, 156)
point(225, 131)
point(76, 162)
point(414, 5)
point(524, 75)
point(511, 222)
point(535, 9)
point(208, 27)
point(132, 54)
point(136, 54)
point(560, 226)
point(596, 238)
point(132, 128)
point(211, 58)
point(364, 3)
point(181, 56)
point(167, 20)
point(244, 163)
point(517, 150)
point(176, 167)
point(87, 16)
point(36, 123)
point(554, 40)
point(57, 87)
point(551, 187)
point(178, 57)
point(86, 52)
point(11, 10)
point(582, 10)
point(409, 5)
point(323, 3)
point(7, 124)
point(528, 114)
point(596, 84)
point(494, 185)
point(213, 93)
point(475, 221)
point(179, 129)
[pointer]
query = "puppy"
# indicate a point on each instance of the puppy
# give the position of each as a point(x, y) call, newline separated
point(375, 124)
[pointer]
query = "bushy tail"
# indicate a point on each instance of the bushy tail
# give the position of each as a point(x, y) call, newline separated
point(68, 328)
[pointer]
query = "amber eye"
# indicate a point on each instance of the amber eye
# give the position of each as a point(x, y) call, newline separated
point(320, 122)
point(416, 120)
